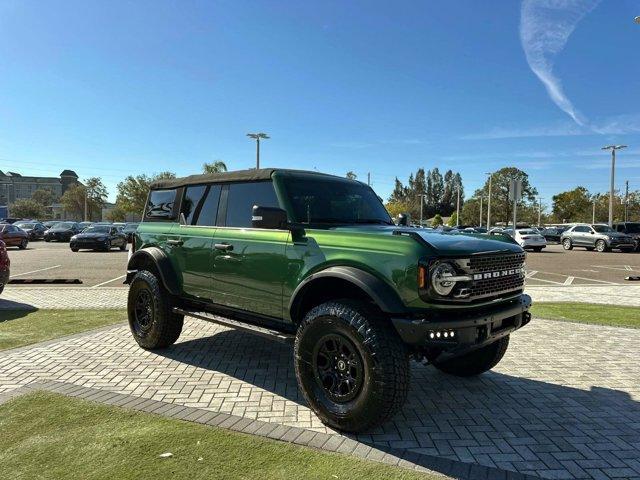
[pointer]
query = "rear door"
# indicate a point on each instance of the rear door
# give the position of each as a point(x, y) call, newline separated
point(579, 235)
point(249, 264)
point(192, 240)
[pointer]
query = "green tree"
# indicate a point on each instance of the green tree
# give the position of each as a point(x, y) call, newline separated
point(43, 196)
point(214, 167)
point(133, 191)
point(26, 208)
point(437, 221)
point(395, 207)
point(116, 214)
point(573, 205)
point(470, 212)
point(501, 206)
point(351, 175)
point(73, 201)
point(453, 220)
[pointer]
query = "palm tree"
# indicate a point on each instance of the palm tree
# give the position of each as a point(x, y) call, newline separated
point(214, 167)
point(351, 175)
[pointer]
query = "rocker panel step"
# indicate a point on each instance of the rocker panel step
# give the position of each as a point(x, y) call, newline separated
point(246, 327)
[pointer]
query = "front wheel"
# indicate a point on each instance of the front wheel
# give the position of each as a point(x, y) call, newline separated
point(351, 366)
point(566, 244)
point(150, 309)
point(23, 244)
point(537, 249)
point(74, 250)
point(601, 246)
point(477, 361)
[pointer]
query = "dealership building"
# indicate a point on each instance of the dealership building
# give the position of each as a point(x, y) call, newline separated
point(14, 186)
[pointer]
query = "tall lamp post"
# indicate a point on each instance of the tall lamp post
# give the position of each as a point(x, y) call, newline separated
point(421, 196)
point(613, 149)
point(489, 201)
point(257, 137)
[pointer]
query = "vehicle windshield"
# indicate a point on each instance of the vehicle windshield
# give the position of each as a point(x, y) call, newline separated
point(25, 225)
point(329, 201)
point(97, 229)
point(603, 229)
point(633, 227)
point(64, 225)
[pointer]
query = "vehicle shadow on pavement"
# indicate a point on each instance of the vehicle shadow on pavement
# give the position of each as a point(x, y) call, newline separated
point(10, 307)
point(463, 427)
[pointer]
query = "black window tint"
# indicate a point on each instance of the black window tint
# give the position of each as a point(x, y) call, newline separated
point(243, 196)
point(209, 208)
point(191, 203)
point(160, 204)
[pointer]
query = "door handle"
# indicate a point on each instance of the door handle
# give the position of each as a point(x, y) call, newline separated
point(177, 243)
point(225, 247)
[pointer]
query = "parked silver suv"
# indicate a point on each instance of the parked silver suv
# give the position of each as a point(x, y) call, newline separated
point(596, 237)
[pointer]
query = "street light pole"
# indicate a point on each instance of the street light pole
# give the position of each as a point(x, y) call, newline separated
point(489, 202)
point(480, 212)
point(257, 137)
point(613, 149)
point(458, 209)
point(539, 209)
point(626, 200)
point(421, 197)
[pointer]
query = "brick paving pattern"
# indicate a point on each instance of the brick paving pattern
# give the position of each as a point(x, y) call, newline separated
point(564, 402)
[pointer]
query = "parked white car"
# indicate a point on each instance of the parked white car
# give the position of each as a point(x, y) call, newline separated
point(530, 239)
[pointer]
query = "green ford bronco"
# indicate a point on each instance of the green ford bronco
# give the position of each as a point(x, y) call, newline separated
point(315, 260)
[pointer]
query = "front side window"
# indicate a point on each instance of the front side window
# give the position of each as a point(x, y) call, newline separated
point(160, 204)
point(329, 201)
point(243, 196)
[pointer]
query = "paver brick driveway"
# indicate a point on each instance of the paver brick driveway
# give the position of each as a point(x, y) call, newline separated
point(564, 402)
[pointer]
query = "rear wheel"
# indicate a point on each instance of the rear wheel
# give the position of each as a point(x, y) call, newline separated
point(566, 244)
point(477, 361)
point(23, 244)
point(107, 246)
point(351, 366)
point(537, 249)
point(74, 250)
point(601, 246)
point(150, 309)
point(123, 247)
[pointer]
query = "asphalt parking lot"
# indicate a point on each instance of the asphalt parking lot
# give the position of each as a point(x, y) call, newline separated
point(53, 260)
point(552, 266)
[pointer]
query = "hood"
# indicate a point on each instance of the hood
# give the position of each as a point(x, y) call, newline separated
point(92, 235)
point(617, 234)
point(445, 243)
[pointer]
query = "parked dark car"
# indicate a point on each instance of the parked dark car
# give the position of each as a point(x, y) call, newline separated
point(84, 225)
point(50, 223)
point(98, 237)
point(129, 230)
point(630, 228)
point(35, 230)
point(553, 234)
point(62, 232)
point(13, 236)
point(4, 266)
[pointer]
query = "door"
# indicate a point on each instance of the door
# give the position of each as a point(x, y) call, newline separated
point(10, 236)
point(581, 236)
point(249, 264)
point(192, 241)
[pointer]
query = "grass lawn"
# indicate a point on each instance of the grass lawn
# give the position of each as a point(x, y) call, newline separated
point(65, 438)
point(589, 313)
point(23, 327)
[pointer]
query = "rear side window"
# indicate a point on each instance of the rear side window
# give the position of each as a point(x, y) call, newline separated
point(243, 196)
point(191, 202)
point(200, 204)
point(581, 229)
point(209, 211)
point(160, 206)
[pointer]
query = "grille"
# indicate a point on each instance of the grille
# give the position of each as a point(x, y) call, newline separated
point(495, 286)
point(490, 263)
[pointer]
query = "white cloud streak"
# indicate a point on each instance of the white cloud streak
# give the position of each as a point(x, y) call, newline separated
point(545, 27)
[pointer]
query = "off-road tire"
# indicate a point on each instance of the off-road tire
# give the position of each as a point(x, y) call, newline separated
point(566, 244)
point(601, 246)
point(477, 361)
point(383, 358)
point(164, 326)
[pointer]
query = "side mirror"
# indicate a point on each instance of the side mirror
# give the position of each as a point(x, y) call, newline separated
point(268, 217)
point(403, 219)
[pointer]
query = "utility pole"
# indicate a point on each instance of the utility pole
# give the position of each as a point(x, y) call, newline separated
point(421, 196)
point(489, 202)
point(369, 178)
point(480, 212)
point(85, 205)
point(626, 200)
point(613, 149)
point(593, 215)
point(458, 209)
point(539, 209)
point(257, 137)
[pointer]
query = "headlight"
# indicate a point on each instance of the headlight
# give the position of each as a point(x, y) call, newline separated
point(75, 237)
point(440, 279)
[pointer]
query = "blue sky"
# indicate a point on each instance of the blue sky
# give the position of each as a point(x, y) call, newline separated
point(117, 88)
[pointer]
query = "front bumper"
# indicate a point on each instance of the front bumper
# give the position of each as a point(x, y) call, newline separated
point(88, 245)
point(58, 237)
point(471, 329)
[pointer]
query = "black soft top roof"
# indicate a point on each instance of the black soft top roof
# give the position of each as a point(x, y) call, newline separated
point(251, 175)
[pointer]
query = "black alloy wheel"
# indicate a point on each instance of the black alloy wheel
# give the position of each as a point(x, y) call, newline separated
point(338, 368)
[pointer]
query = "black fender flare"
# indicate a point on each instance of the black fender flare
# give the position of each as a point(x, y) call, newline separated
point(380, 292)
point(163, 266)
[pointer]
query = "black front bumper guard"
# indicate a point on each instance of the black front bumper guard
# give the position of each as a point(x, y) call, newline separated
point(464, 331)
